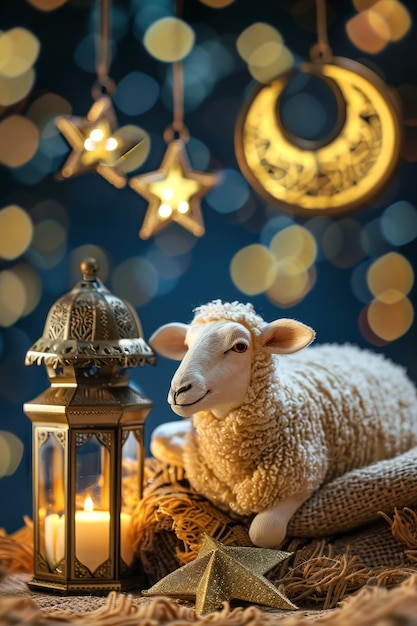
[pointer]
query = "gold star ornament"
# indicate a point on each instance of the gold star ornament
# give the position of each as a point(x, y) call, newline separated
point(174, 192)
point(98, 145)
point(221, 573)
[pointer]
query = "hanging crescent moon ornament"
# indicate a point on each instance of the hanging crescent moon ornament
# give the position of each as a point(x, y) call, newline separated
point(340, 173)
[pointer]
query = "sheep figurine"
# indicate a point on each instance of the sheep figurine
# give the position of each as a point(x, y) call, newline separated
point(266, 430)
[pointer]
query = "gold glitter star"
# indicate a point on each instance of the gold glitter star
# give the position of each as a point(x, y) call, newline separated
point(174, 192)
point(97, 144)
point(221, 573)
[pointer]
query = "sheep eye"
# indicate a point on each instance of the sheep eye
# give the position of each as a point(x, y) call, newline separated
point(240, 347)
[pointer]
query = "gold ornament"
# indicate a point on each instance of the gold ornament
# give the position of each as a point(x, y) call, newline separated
point(221, 573)
point(97, 144)
point(174, 192)
point(344, 171)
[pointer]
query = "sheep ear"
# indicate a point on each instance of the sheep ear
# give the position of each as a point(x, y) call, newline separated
point(168, 340)
point(285, 336)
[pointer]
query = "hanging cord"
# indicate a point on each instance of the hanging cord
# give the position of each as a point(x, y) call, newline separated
point(103, 52)
point(177, 128)
point(321, 51)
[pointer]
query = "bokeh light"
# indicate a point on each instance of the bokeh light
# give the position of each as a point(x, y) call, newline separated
point(19, 140)
point(297, 244)
point(136, 93)
point(399, 223)
point(230, 193)
point(11, 453)
point(19, 49)
point(396, 16)
point(341, 243)
point(377, 24)
point(32, 285)
point(256, 36)
point(12, 298)
point(217, 4)
point(14, 89)
point(390, 277)
point(44, 109)
point(390, 320)
point(16, 231)
point(252, 269)
point(47, 5)
point(135, 280)
point(292, 283)
point(141, 142)
point(373, 240)
point(169, 39)
point(49, 244)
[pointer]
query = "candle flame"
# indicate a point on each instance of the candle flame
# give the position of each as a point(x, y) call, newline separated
point(88, 504)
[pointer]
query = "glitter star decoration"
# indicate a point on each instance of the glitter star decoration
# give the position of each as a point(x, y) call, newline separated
point(173, 192)
point(222, 573)
point(97, 144)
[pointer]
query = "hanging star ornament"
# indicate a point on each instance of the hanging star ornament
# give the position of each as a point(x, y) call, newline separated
point(221, 573)
point(98, 145)
point(173, 192)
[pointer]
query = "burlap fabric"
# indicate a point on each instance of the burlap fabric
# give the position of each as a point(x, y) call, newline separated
point(354, 557)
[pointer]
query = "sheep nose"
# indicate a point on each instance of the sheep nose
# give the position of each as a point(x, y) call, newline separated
point(182, 389)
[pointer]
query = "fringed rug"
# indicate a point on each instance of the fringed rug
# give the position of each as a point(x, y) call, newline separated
point(366, 576)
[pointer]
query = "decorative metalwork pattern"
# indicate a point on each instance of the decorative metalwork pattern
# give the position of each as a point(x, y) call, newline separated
point(57, 320)
point(104, 570)
point(82, 438)
point(125, 435)
point(90, 327)
point(61, 438)
point(80, 570)
point(82, 320)
point(344, 171)
point(123, 318)
point(42, 436)
point(106, 439)
point(41, 564)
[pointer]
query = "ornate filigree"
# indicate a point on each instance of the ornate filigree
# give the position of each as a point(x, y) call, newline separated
point(103, 570)
point(106, 439)
point(80, 570)
point(57, 320)
point(82, 438)
point(42, 436)
point(83, 320)
point(61, 437)
point(123, 318)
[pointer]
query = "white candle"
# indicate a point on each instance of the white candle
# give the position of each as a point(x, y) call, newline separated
point(92, 537)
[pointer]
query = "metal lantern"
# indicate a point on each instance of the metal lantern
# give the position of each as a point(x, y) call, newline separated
point(88, 441)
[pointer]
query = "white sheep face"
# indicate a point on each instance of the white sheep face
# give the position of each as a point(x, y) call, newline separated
point(215, 371)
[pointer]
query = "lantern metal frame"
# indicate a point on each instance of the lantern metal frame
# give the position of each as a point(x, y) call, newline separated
point(90, 399)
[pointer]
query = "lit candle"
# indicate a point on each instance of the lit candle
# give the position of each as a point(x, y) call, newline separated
point(92, 537)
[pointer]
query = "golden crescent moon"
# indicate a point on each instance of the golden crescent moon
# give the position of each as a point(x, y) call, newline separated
point(342, 173)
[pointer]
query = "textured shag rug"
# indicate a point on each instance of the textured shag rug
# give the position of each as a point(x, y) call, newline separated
point(366, 575)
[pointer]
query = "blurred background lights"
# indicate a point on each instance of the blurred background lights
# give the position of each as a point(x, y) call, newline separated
point(295, 243)
point(16, 231)
point(399, 223)
point(19, 140)
point(49, 242)
point(12, 298)
point(46, 5)
point(341, 243)
point(390, 277)
point(390, 320)
point(16, 88)
point(136, 93)
point(19, 49)
point(135, 280)
point(256, 36)
point(262, 47)
point(252, 269)
point(230, 193)
point(169, 39)
point(378, 24)
point(11, 452)
point(292, 282)
point(32, 285)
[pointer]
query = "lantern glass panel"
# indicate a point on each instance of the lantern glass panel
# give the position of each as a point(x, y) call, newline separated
point(92, 514)
point(51, 492)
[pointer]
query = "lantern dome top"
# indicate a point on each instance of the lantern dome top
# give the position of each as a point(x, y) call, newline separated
point(90, 326)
